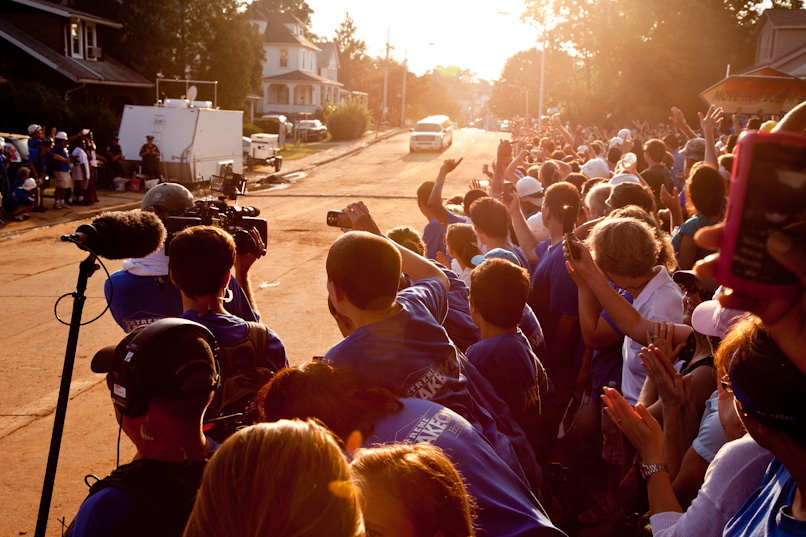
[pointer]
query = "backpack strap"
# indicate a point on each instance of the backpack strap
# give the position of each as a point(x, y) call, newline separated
point(164, 492)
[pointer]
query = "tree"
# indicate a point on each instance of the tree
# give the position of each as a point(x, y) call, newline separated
point(352, 51)
point(204, 39)
point(636, 58)
point(299, 8)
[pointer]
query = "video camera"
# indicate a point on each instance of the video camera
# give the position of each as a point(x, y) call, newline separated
point(236, 220)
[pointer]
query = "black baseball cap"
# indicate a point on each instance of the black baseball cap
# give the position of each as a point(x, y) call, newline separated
point(175, 364)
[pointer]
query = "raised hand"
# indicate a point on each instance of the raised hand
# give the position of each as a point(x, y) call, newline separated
point(449, 165)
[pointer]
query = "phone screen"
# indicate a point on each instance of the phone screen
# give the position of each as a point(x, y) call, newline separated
point(775, 199)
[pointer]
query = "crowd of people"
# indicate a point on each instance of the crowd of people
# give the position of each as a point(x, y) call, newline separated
point(71, 166)
point(541, 360)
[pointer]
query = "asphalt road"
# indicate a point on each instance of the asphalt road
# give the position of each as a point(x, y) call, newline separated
point(289, 285)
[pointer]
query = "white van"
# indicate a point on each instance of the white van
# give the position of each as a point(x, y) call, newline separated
point(434, 132)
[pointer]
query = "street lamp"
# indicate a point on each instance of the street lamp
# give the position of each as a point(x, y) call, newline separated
point(526, 91)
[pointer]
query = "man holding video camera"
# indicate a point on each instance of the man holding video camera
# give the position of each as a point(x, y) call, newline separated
point(142, 292)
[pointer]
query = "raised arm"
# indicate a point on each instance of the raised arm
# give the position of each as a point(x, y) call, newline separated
point(501, 162)
point(708, 123)
point(526, 238)
point(435, 200)
point(415, 266)
point(679, 120)
point(626, 318)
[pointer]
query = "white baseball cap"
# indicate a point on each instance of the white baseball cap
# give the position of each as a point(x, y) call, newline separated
point(528, 186)
point(594, 168)
point(29, 184)
point(625, 134)
point(538, 227)
point(616, 140)
point(61, 135)
point(33, 128)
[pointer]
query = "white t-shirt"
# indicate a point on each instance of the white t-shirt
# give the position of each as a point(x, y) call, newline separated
point(736, 472)
point(660, 300)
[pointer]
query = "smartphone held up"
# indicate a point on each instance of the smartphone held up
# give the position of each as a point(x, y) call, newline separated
point(767, 194)
point(338, 219)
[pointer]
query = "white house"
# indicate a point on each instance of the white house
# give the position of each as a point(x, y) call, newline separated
point(299, 76)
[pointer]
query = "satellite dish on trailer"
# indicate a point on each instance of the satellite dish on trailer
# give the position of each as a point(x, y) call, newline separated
point(192, 92)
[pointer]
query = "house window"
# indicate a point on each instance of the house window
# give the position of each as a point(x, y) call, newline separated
point(277, 94)
point(92, 41)
point(74, 41)
point(283, 57)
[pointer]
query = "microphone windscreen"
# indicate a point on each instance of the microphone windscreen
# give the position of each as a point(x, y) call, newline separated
point(123, 234)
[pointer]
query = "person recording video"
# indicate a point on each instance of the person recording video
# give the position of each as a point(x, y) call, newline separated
point(142, 292)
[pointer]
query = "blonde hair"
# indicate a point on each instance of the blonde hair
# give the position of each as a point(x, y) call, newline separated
point(624, 246)
point(287, 478)
point(423, 481)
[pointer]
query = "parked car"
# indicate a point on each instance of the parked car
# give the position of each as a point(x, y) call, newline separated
point(283, 120)
point(311, 130)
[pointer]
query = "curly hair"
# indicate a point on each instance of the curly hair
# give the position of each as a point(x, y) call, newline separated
point(624, 246)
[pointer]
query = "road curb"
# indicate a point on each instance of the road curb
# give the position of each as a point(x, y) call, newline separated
point(8, 234)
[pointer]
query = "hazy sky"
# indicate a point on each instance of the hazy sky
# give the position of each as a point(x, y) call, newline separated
point(479, 36)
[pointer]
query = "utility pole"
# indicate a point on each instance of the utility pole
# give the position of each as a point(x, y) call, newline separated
point(385, 77)
point(403, 103)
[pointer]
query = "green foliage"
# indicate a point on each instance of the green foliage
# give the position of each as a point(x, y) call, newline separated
point(348, 121)
point(26, 102)
point(637, 58)
point(299, 8)
point(269, 125)
point(198, 39)
point(96, 115)
point(250, 128)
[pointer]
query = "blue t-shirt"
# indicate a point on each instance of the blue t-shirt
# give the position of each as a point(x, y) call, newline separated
point(531, 328)
point(506, 506)
point(37, 159)
point(516, 374)
point(520, 255)
point(690, 227)
point(434, 235)
point(230, 329)
point(58, 165)
point(458, 323)
point(17, 198)
point(411, 355)
point(767, 513)
point(554, 293)
point(606, 363)
point(141, 300)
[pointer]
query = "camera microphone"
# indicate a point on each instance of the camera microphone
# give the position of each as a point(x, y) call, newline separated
point(120, 234)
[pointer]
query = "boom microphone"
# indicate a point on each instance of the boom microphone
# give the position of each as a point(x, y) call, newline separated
point(120, 234)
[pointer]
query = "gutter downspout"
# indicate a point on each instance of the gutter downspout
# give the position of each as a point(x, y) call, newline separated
point(68, 92)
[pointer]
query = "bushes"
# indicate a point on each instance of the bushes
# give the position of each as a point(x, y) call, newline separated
point(269, 125)
point(348, 121)
point(250, 128)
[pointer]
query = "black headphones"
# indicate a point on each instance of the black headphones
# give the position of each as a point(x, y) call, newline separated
point(130, 388)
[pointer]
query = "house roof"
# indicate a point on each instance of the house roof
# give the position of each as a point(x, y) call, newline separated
point(782, 18)
point(302, 76)
point(276, 30)
point(68, 12)
point(328, 50)
point(107, 71)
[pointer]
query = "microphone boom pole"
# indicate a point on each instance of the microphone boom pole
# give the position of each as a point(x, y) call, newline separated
point(86, 269)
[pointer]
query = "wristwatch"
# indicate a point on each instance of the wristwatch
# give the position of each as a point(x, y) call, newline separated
point(649, 469)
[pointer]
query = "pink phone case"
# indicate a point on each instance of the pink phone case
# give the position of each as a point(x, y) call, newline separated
point(767, 192)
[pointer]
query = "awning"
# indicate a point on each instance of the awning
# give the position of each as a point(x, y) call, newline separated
point(766, 89)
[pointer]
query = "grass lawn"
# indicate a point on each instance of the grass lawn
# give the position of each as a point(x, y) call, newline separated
point(295, 152)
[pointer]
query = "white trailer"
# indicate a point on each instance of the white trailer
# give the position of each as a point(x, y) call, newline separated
point(195, 140)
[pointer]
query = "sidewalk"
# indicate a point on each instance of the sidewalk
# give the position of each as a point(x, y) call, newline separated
point(257, 179)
